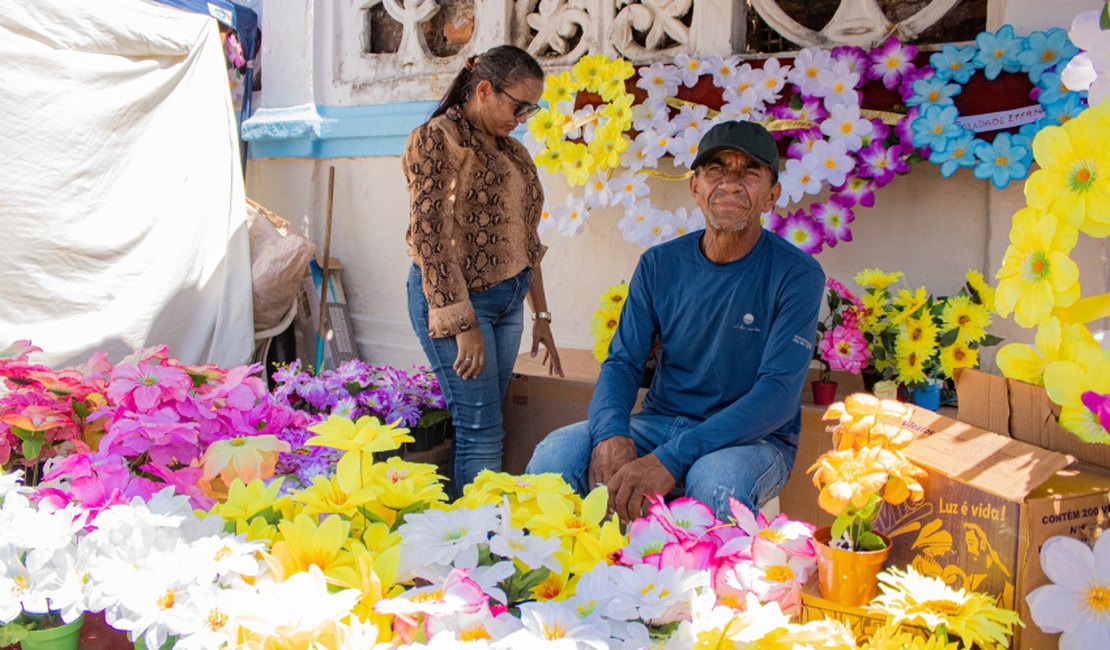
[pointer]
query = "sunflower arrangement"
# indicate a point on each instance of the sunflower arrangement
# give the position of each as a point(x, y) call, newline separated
point(921, 339)
point(604, 322)
point(579, 142)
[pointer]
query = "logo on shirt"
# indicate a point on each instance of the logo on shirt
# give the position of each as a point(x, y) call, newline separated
point(800, 340)
point(745, 323)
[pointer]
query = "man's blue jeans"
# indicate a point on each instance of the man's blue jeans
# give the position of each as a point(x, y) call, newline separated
point(753, 474)
point(475, 404)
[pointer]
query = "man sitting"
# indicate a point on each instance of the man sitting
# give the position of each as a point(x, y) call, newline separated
point(735, 309)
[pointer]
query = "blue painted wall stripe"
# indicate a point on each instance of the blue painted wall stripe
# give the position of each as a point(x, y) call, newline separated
point(322, 132)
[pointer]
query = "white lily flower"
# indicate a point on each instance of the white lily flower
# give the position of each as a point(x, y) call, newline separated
point(773, 80)
point(690, 69)
point(687, 221)
point(722, 69)
point(659, 80)
point(637, 156)
point(838, 85)
point(643, 224)
point(797, 180)
point(570, 218)
point(515, 544)
point(657, 143)
point(628, 188)
point(299, 606)
point(652, 114)
point(831, 158)
point(684, 147)
point(845, 123)
point(807, 66)
point(747, 106)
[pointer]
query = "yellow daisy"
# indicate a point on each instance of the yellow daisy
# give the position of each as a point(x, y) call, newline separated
point(558, 88)
point(919, 333)
point(877, 278)
point(979, 285)
point(958, 355)
point(907, 303)
point(547, 126)
point(591, 71)
point(911, 598)
point(960, 313)
point(910, 365)
point(403, 484)
point(614, 295)
point(577, 163)
point(1037, 273)
point(607, 146)
point(890, 638)
point(604, 322)
point(601, 349)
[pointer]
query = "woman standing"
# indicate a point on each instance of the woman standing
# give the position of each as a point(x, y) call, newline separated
point(475, 203)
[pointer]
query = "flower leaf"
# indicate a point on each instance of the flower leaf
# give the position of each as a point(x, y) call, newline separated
point(949, 337)
point(870, 542)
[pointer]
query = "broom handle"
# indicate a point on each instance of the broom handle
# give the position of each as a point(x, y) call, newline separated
point(327, 263)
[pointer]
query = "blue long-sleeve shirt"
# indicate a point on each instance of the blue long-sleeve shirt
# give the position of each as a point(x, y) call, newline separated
point(736, 341)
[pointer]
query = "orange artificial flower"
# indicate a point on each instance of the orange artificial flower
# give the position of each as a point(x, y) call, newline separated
point(849, 477)
point(865, 420)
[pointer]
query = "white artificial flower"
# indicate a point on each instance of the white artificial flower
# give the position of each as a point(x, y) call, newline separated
point(636, 155)
point(722, 69)
point(831, 158)
point(652, 114)
point(150, 606)
point(838, 85)
point(643, 224)
point(300, 605)
point(589, 126)
point(598, 192)
point(691, 116)
point(547, 221)
point(225, 557)
point(690, 69)
point(773, 80)
point(554, 625)
point(488, 577)
point(656, 143)
point(747, 106)
point(742, 628)
point(470, 629)
point(12, 482)
point(1077, 601)
point(807, 65)
point(208, 622)
point(359, 635)
point(745, 78)
point(660, 595)
point(532, 550)
point(1090, 69)
point(533, 145)
point(68, 584)
point(595, 597)
point(456, 593)
point(684, 147)
point(434, 539)
point(659, 80)
point(35, 528)
point(628, 188)
point(19, 589)
point(845, 123)
point(687, 221)
point(570, 218)
point(797, 180)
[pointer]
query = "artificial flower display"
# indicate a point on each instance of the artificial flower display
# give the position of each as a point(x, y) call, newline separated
point(865, 469)
point(603, 325)
point(1077, 600)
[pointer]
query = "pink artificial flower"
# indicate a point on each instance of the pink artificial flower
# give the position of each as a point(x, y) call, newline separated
point(185, 481)
point(774, 574)
point(646, 539)
point(882, 163)
point(684, 516)
point(161, 434)
point(857, 58)
point(698, 554)
point(857, 190)
point(803, 143)
point(143, 386)
point(15, 361)
point(792, 536)
point(802, 231)
point(835, 218)
point(95, 482)
point(772, 221)
point(1098, 404)
point(844, 348)
point(96, 371)
point(891, 61)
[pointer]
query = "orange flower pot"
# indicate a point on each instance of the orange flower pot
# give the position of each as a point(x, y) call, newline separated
point(847, 577)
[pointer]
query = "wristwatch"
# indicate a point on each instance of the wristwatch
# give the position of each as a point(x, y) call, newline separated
point(542, 315)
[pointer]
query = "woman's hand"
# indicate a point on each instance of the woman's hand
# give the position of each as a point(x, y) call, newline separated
point(472, 353)
point(541, 333)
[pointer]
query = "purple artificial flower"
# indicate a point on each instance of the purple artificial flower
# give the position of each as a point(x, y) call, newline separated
point(857, 58)
point(161, 434)
point(801, 230)
point(882, 163)
point(803, 143)
point(1098, 404)
point(143, 386)
point(772, 221)
point(857, 190)
point(835, 218)
point(891, 61)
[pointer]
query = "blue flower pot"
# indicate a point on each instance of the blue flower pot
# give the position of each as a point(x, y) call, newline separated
point(927, 397)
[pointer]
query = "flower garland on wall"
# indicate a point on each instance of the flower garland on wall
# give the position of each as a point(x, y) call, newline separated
point(817, 100)
point(1039, 282)
point(952, 143)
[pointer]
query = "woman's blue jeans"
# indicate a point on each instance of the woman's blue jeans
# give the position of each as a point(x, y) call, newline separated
point(475, 404)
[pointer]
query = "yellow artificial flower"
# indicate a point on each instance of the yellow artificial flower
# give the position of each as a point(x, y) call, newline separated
point(866, 421)
point(551, 158)
point(910, 598)
point(958, 355)
point(368, 434)
point(1052, 343)
point(909, 364)
point(605, 320)
point(257, 529)
point(591, 71)
point(247, 501)
point(874, 312)
point(489, 488)
point(877, 278)
point(601, 349)
point(304, 543)
point(546, 126)
point(890, 638)
point(242, 457)
point(1037, 271)
point(919, 333)
point(1073, 181)
point(558, 88)
point(325, 497)
point(969, 318)
point(1066, 381)
point(577, 164)
point(607, 146)
point(907, 303)
point(403, 484)
point(985, 291)
point(560, 516)
point(618, 112)
point(614, 295)
point(848, 478)
point(373, 575)
point(589, 550)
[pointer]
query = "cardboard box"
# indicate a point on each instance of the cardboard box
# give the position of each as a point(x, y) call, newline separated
point(1022, 411)
point(536, 403)
point(862, 621)
point(990, 503)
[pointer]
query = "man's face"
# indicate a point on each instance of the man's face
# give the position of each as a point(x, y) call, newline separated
point(733, 189)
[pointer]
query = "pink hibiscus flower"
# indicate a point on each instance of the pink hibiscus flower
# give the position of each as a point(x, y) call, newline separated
point(844, 348)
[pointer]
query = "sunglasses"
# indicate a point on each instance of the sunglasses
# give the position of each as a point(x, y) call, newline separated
point(523, 109)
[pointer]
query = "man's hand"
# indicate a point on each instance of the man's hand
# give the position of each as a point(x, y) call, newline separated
point(629, 485)
point(608, 456)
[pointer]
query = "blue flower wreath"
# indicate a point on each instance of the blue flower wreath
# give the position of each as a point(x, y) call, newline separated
point(1008, 157)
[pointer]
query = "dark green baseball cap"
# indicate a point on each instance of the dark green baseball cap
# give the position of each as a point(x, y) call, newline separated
point(746, 137)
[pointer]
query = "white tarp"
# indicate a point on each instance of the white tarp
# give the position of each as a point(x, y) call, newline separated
point(122, 207)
